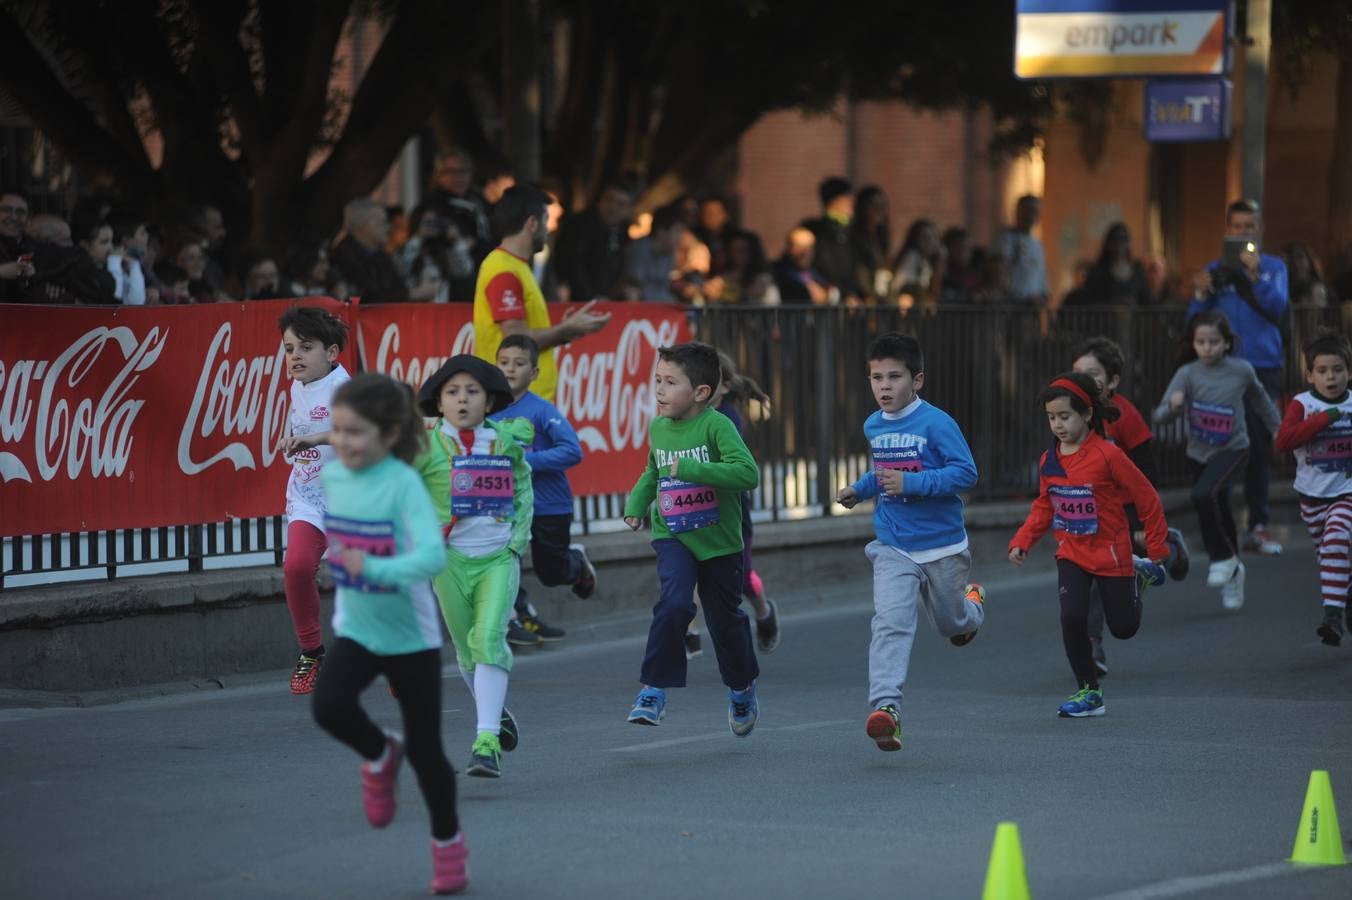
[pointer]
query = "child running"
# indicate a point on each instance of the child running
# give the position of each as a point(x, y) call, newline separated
point(1318, 427)
point(733, 388)
point(1212, 390)
point(1084, 484)
point(311, 340)
point(384, 546)
point(697, 468)
point(921, 462)
point(475, 470)
point(553, 452)
point(1101, 359)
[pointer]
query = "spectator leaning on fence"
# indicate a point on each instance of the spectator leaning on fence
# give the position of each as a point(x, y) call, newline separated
point(590, 248)
point(835, 258)
point(507, 299)
point(362, 259)
point(1252, 292)
point(16, 250)
point(651, 260)
point(1023, 255)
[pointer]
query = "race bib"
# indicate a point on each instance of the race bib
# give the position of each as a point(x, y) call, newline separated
point(1073, 509)
point(1331, 452)
point(1211, 423)
point(482, 485)
point(686, 506)
point(372, 538)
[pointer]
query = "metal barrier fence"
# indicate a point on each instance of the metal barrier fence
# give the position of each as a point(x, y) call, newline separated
point(984, 365)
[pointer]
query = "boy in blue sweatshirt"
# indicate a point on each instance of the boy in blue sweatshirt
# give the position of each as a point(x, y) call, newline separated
point(921, 462)
point(554, 451)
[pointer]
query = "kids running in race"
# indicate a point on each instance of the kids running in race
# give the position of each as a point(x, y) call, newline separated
point(475, 470)
point(1084, 484)
point(385, 544)
point(1211, 391)
point(311, 340)
point(921, 462)
point(1318, 428)
point(697, 469)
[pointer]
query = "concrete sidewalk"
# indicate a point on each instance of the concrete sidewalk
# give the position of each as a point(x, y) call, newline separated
point(109, 640)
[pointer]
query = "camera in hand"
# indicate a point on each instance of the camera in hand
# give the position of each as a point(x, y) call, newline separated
point(1230, 270)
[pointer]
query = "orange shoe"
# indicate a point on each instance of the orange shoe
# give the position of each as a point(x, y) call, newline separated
point(977, 594)
point(884, 726)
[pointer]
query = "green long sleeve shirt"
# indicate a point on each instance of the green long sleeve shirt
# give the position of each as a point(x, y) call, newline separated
point(709, 454)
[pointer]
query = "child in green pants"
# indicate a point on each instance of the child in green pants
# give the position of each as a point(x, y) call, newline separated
point(476, 473)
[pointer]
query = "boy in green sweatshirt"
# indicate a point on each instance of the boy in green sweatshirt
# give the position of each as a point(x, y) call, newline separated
point(697, 468)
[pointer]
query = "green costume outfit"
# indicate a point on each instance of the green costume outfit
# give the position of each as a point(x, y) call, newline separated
point(477, 588)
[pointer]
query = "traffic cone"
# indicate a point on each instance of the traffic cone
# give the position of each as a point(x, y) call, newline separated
point(1318, 841)
point(1005, 876)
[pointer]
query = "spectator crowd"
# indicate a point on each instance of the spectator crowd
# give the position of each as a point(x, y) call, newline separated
point(691, 251)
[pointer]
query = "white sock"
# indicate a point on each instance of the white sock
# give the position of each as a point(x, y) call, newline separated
point(459, 836)
point(377, 765)
point(469, 680)
point(490, 695)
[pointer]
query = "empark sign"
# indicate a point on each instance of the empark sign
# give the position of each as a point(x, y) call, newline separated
point(1121, 38)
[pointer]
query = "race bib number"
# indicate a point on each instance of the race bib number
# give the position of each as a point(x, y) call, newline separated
point(686, 506)
point(482, 485)
point(1211, 423)
point(372, 538)
point(1073, 509)
point(1331, 452)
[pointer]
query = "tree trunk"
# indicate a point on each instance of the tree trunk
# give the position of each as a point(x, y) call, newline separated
point(1340, 169)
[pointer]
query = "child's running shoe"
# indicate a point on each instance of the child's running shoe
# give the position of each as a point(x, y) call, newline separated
point(743, 710)
point(377, 788)
point(977, 594)
point(519, 636)
point(884, 726)
point(1179, 558)
point(1260, 541)
point(450, 865)
point(1221, 571)
point(510, 734)
point(649, 708)
point(306, 673)
point(485, 756)
point(1331, 631)
point(1148, 573)
point(1086, 701)
point(1232, 595)
point(585, 585)
point(767, 630)
point(536, 626)
point(692, 645)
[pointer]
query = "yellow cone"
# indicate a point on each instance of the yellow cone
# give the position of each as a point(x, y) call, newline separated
point(1318, 841)
point(1005, 877)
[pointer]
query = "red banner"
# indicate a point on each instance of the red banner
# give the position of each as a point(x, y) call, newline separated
point(605, 379)
point(141, 416)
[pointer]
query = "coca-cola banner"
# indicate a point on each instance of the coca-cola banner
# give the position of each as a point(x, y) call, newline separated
point(142, 416)
point(605, 379)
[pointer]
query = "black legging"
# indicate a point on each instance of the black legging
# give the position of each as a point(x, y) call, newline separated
point(416, 677)
point(1211, 498)
point(1121, 608)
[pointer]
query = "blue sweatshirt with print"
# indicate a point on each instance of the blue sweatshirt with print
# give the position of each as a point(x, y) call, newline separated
point(927, 445)
point(554, 450)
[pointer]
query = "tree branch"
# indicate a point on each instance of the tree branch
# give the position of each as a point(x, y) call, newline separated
point(221, 49)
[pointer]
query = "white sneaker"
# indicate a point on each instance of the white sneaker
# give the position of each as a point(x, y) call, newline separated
point(1221, 572)
point(1259, 541)
point(1232, 595)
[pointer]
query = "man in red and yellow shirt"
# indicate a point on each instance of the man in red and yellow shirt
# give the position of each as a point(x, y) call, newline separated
point(507, 299)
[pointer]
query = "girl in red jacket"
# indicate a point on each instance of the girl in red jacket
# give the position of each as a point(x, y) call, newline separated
point(1084, 485)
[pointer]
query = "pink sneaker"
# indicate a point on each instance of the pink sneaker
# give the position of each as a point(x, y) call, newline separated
point(377, 788)
point(450, 866)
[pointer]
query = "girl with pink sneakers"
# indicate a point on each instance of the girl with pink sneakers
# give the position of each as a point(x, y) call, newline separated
point(385, 545)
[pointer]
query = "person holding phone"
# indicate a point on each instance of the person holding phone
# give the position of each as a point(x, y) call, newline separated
point(1250, 287)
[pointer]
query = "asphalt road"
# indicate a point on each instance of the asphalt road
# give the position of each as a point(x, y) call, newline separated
point(1195, 777)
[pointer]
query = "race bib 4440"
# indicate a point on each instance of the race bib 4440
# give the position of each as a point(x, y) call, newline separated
point(686, 506)
point(482, 485)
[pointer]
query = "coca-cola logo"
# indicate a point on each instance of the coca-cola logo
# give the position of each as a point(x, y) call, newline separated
point(415, 371)
point(242, 398)
point(74, 428)
point(615, 388)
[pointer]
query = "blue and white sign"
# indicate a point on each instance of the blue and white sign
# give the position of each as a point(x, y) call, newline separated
point(1195, 109)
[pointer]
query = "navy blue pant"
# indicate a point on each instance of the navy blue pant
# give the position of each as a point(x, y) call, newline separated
point(555, 563)
point(1258, 472)
point(719, 581)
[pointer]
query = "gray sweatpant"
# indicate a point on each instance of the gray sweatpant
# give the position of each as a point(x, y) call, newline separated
point(900, 585)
